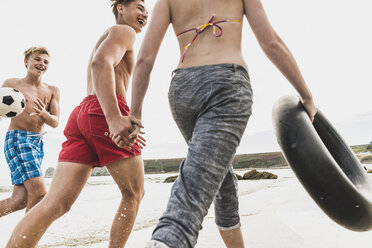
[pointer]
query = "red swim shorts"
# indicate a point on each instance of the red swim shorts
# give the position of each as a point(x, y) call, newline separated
point(88, 141)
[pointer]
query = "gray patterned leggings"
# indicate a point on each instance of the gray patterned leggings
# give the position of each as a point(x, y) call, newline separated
point(211, 105)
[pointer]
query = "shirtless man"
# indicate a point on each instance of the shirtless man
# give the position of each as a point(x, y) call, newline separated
point(23, 143)
point(210, 98)
point(90, 132)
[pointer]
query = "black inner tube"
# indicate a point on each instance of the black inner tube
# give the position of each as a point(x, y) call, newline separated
point(339, 150)
point(324, 164)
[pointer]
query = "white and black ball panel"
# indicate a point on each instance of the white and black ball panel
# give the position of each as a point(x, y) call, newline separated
point(12, 102)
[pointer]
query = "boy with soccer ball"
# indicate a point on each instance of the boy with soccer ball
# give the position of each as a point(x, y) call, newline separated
point(23, 143)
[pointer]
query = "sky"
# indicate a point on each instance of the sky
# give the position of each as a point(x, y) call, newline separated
point(330, 40)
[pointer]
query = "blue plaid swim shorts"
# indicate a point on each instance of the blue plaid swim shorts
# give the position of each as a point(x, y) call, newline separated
point(24, 154)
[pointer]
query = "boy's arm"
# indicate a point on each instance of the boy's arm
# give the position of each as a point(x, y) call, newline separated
point(108, 55)
point(50, 117)
point(277, 52)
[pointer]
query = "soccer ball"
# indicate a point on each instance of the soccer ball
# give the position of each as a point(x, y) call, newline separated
point(12, 102)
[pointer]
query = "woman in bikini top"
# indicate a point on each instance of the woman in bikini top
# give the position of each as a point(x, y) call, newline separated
point(208, 31)
point(201, 29)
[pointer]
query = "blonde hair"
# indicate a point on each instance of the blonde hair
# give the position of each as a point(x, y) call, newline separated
point(34, 49)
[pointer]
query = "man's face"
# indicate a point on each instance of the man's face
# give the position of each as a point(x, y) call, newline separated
point(135, 15)
point(37, 63)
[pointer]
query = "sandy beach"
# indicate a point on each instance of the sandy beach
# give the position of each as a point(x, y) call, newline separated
point(274, 213)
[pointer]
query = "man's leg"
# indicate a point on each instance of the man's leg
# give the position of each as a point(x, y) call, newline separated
point(128, 175)
point(17, 201)
point(36, 190)
point(68, 181)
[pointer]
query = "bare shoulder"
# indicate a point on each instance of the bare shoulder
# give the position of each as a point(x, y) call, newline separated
point(123, 28)
point(52, 89)
point(121, 35)
point(11, 82)
point(123, 31)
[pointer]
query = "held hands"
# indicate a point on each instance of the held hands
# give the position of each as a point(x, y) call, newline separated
point(136, 137)
point(40, 108)
point(125, 131)
point(309, 107)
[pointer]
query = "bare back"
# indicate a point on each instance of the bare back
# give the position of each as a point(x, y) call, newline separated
point(123, 70)
point(207, 49)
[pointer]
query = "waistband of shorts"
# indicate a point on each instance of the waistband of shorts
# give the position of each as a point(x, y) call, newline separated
point(24, 133)
point(89, 98)
point(234, 67)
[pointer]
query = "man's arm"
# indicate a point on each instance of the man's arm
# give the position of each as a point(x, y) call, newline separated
point(277, 52)
point(108, 55)
point(50, 117)
point(156, 30)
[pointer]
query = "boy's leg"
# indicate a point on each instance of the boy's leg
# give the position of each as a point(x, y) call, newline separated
point(36, 190)
point(68, 181)
point(128, 175)
point(17, 201)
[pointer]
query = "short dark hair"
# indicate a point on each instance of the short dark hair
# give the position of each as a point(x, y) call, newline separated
point(114, 4)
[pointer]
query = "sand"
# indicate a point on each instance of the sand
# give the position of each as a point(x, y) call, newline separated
point(274, 213)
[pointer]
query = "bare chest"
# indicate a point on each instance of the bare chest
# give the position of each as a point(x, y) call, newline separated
point(32, 94)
